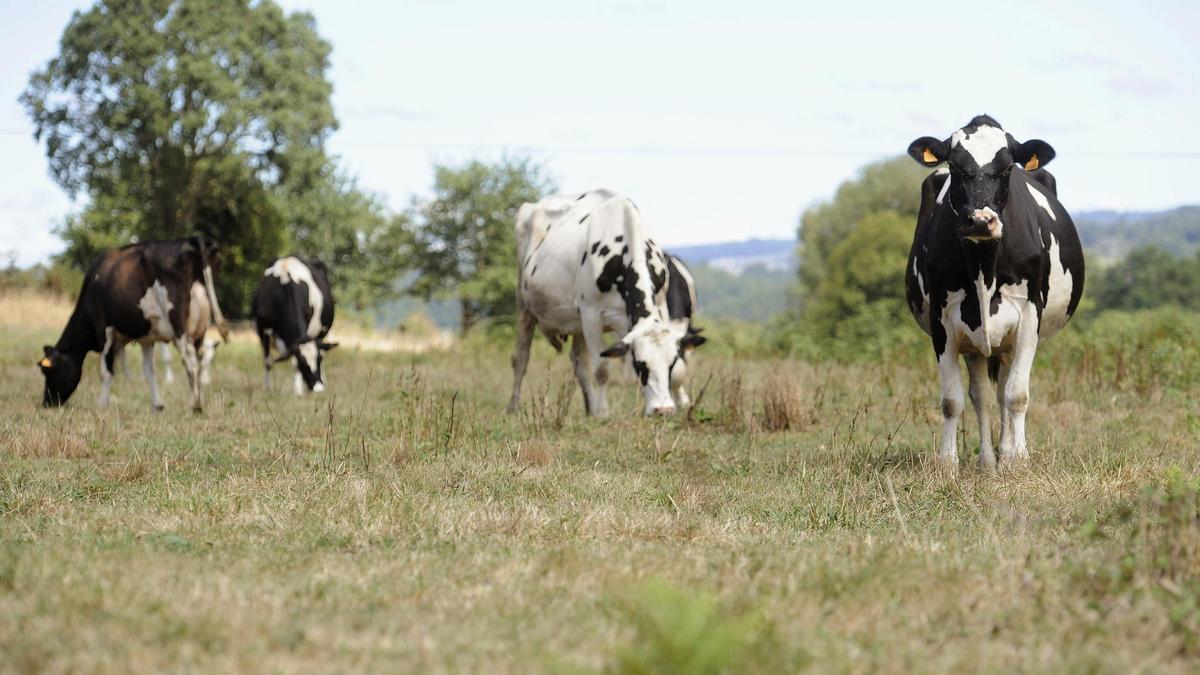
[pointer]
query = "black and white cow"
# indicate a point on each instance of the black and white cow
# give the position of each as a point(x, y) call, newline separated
point(996, 267)
point(156, 291)
point(293, 310)
point(682, 304)
point(587, 265)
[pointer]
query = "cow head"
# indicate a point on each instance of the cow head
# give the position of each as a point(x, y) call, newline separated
point(310, 357)
point(982, 157)
point(658, 353)
point(62, 372)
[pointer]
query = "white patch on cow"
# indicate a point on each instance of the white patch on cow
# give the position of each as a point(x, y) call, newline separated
point(290, 270)
point(106, 374)
point(156, 307)
point(982, 144)
point(982, 336)
point(1058, 295)
point(1041, 200)
point(945, 188)
point(308, 352)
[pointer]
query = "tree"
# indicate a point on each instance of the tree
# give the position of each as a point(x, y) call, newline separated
point(890, 185)
point(347, 228)
point(176, 116)
point(1149, 277)
point(463, 240)
point(854, 248)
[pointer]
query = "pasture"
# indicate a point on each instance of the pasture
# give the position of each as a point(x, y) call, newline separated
point(401, 521)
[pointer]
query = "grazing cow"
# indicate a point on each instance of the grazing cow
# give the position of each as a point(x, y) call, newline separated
point(587, 265)
point(157, 291)
point(681, 305)
point(293, 308)
point(996, 267)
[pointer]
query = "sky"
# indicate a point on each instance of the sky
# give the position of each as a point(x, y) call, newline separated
point(722, 120)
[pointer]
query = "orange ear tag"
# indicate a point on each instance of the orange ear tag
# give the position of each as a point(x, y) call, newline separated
point(45, 362)
point(929, 157)
point(1032, 164)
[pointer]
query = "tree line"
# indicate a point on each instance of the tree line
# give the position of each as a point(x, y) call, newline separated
point(174, 117)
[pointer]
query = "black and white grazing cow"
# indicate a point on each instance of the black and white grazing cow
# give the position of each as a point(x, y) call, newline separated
point(156, 291)
point(293, 309)
point(996, 267)
point(587, 265)
point(681, 305)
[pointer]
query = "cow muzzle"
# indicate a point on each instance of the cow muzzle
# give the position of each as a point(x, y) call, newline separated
point(983, 225)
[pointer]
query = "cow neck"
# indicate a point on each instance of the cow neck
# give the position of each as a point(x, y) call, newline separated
point(636, 287)
point(980, 259)
point(78, 337)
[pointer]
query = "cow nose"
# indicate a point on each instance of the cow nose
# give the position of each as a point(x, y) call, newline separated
point(319, 387)
point(985, 220)
point(665, 410)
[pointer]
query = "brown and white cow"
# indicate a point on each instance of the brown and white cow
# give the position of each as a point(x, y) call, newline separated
point(155, 291)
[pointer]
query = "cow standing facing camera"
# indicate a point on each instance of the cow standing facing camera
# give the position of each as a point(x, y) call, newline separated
point(996, 268)
point(293, 312)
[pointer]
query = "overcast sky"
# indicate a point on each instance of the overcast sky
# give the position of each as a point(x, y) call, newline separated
point(723, 120)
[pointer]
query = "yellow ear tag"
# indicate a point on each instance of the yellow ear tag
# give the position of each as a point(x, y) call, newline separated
point(929, 157)
point(45, 362)
point(1032, 164)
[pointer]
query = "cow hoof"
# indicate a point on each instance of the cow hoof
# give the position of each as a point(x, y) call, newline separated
point(158, 408)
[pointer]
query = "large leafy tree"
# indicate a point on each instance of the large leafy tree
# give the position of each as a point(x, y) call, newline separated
point(853, 251)
point(1149, 277)
point(463, 236)
point(175, 116)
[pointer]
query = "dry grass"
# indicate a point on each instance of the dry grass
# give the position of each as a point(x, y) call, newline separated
point(403, 522)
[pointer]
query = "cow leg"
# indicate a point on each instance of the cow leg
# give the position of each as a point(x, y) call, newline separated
point(1001, 383)
point(207, 352)
point(297, 379)
point(952, 405)
point(191, 364)
point(1013, 449)
point(977, 369)
point(581, 360)
point(520, 357)
point(164, 352)
point(596, 365)
point(265, 340)
point(107, 355)
point(124, 363)
point(148, 349)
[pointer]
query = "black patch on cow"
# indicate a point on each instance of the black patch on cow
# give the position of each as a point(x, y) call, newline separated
point(581, 196)
point(642, 371)
point(625, 249)
point(679, 296)
point(619, 238)
point(583, 259)
point(533, 271)
point(604, 251)
point(595, 247)
point(623, 278)
point(585, 217)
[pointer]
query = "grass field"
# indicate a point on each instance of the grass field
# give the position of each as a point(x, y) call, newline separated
point(403, 522)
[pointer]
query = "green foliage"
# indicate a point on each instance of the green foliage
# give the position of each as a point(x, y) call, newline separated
point(687, 633)
point(1112, 235)
point(757, 295)
point(57, 279)
point(1146, 278)
point(852, 256)
point(349, 230)
point(1137, 351)
point(177, 116)
point(890, 185)
point(463, 237)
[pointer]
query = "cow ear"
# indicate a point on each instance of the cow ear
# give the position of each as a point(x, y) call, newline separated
point(326, 346)
point(619, 349)
point(928, 151)
point(1033, 154)
point(691, 341)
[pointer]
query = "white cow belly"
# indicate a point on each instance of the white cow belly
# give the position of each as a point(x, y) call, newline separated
point(1001, 326)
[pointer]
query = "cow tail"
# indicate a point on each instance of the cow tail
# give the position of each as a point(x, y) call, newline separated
point(217, 317)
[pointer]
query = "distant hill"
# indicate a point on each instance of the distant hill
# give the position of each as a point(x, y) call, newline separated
point(1109, 235)
point(735, 257)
